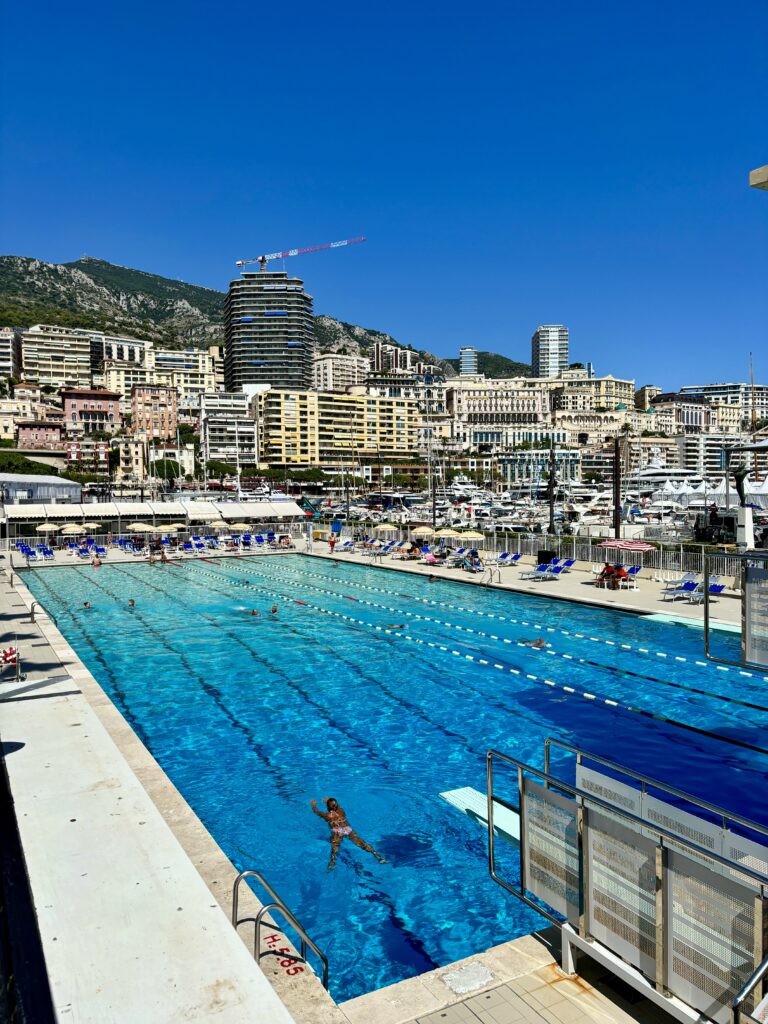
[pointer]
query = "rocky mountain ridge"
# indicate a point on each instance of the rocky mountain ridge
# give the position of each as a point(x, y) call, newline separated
point(98, 295)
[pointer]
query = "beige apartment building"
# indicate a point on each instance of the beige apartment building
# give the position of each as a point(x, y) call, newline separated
point(191, 372)
point(12, 410)
point(335, 372)
point(333, 431)
point(154, 411)
point(56, 357)
point(584, 393)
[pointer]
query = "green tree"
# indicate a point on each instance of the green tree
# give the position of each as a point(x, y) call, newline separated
point(12, 462)
point(219, 470)
point(166, 469)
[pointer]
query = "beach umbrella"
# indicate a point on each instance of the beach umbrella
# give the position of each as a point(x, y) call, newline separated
point(69, 529)
point(140, 528)
point(176, 526)
point(386, 526)
point(448, 531)
point(47, 527)
point(472, 535)
point(627, 545)
point(240, 526)
point(422, 531)
point(219, 524)
point(169, 528)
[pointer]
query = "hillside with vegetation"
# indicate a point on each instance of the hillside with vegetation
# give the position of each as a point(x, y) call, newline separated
point(494, 365)
point(97, 295)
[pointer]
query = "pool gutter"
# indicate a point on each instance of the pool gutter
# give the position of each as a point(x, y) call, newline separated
point(128, 928)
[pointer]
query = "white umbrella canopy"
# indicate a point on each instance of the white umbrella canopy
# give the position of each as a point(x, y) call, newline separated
point(240, 526)
point(140, 528)
point(386, 526)
point(447, 531)
point(422, 531)
point(219, 524)
point(472, 535)
point(47, 527)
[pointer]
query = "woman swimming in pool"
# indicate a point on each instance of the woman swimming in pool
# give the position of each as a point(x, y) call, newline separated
point(340, 830)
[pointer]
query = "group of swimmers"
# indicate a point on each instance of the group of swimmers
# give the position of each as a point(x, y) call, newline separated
point(257, 613)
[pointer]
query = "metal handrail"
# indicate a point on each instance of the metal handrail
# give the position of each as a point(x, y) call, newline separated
point(582, 796)
point(757, 976)
point(584, 804)
point(277, 904)
point(721, 812)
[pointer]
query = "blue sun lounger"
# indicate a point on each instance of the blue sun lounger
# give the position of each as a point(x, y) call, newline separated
point(688, 588)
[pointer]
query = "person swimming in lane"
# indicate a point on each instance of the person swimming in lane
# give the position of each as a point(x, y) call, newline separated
point(341, 830)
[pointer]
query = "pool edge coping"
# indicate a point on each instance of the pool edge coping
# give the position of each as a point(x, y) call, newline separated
point(303, 996)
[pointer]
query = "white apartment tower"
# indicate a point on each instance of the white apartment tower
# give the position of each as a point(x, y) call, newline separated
point(468, 361)
point(549, 350)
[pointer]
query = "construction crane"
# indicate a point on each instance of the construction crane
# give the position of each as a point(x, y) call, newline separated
point(263, 260)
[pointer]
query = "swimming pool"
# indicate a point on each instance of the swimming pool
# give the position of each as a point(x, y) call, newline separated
point(383, 690)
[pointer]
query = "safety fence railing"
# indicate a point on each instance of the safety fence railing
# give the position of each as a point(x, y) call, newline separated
point(666, 890)
point(665, 559)
point(110, 538)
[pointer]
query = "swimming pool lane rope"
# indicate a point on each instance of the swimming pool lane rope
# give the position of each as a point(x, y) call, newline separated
point(618, 670)
point(485, 662)
point(282, 784)
point(439, 680)
point(356, 741)
point(536, 625)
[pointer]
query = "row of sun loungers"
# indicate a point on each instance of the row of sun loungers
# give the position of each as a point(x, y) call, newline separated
point(688, 586)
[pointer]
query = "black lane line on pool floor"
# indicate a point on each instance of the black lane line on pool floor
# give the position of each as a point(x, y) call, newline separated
point(439, 680)
point(323, 712)
point(596, 698)
point(397, 922)
point(517, 643)
point(121, 697)
point(374, 681)
point(281, 784)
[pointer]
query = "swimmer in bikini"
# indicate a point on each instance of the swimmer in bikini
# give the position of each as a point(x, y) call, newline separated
point(340, 830)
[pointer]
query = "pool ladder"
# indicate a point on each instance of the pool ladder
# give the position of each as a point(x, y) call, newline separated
point(279, 905)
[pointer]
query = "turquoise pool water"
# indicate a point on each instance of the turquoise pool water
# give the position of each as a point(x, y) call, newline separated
point(383, 690)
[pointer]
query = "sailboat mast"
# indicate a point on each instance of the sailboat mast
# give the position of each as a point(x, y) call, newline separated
point(754, 416)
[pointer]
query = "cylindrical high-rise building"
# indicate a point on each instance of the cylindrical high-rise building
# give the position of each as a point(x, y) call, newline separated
point(269, 332)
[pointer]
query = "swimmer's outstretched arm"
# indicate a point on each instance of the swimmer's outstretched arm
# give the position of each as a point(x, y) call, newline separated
point(320, 814)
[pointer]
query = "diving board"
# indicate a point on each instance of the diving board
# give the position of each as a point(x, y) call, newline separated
point(473, 803)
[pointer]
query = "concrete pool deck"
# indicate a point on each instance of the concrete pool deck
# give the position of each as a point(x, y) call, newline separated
point(576, 585)
point(117, 946)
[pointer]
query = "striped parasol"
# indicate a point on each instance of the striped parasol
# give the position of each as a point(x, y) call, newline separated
point(627, 545)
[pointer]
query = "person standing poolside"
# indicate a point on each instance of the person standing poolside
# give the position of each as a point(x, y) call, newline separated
point(340, 830)
point(331, 543)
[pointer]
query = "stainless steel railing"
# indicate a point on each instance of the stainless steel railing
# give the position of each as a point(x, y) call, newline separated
point(647, 780)
point(279, 905)
point(666, 840)
point(755, 979)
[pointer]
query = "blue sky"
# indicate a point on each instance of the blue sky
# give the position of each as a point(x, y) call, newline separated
point(511, 164)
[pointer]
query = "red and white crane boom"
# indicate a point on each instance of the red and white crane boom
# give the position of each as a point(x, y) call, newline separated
point(263, 260)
